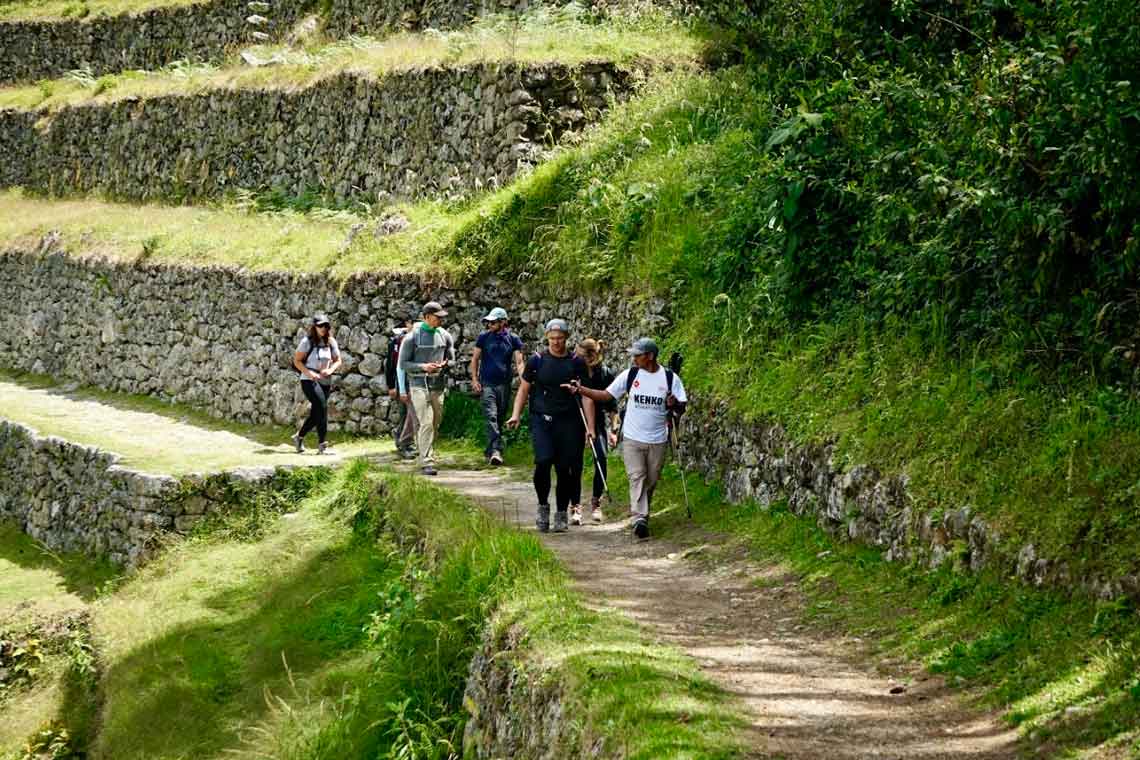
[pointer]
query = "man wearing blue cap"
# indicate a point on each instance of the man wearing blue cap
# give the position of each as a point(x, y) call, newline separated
point(656, 398)
point(496, 350)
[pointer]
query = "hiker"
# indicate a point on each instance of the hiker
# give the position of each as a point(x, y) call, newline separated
point(656, 396)
point(497, 351)
point(404, 431)
point(598, 376)
point(425, 354)
point(316, 359)
point(556, 429)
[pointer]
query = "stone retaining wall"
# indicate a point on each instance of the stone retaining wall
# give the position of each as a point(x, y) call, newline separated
point(428, 132)
point(77, 498)
point(202, 31)
point(347, 17)
point(761, 462)
point(221, 339)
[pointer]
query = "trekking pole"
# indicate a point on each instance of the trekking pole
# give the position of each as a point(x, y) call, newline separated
point(676, 445)
point(593, 447)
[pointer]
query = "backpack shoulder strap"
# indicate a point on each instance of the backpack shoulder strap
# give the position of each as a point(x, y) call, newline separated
point(668, 380)
point(630, 378)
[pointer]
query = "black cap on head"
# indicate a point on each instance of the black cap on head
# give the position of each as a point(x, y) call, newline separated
point(644, 346)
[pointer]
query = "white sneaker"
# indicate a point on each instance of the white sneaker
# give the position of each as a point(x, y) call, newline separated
point(596, 515)
point(575, 514)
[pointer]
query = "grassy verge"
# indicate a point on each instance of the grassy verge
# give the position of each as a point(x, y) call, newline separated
point(344, 630)
point(129, 425)
point(544, 35)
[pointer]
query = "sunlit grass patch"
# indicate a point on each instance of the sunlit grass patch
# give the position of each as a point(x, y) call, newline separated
point(16, 10)
point(543, 35)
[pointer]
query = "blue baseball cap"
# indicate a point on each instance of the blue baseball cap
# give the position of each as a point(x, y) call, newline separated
point(496, 314)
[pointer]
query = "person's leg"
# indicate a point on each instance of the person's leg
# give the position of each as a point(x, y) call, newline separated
point(412, 426)
point(489, 400)
point(601, 475)
point(634, 454)
point(323, 420)
point(316, 406)
point(435, 398)
point(543, 444)
point(654, 462)
point(425, 414)
point(569, 440)
point(502, 404)
point(400, 428)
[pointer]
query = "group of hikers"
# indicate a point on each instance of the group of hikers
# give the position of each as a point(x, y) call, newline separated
point(572, 395)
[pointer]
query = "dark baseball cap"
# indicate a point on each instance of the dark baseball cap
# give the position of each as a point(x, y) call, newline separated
point(434, 308)
point(643, 346)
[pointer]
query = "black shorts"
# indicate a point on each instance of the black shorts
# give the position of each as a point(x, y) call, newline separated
point(557, 438)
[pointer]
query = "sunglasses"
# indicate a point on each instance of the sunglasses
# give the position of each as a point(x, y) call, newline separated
point(324, 325)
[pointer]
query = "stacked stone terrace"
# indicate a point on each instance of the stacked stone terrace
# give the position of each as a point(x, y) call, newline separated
point(219, 339)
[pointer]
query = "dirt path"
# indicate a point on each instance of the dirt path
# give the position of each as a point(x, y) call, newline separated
point(809, 694)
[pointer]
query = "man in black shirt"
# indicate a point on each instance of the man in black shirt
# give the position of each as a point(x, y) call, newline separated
point(556, 429)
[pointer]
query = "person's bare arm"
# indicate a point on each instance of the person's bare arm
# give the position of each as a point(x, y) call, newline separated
point(476, 356)
point(334, 365)
point(520, 401)
point(588, 409)
point(520, 363)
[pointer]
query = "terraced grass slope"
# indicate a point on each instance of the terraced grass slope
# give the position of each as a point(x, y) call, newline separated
point(344, 123)
point(344, 629)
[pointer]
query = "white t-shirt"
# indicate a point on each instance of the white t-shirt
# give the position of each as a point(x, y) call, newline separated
point(645, 414)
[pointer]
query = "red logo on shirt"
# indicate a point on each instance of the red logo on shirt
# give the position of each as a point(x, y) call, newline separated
point(636, 383)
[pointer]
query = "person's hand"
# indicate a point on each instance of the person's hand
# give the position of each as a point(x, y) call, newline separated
point(476, 386)
point(670, 401)
point(590, 437)
point(326, 372)
point(314, 376)
point(406, 398)
point(392, 393)
point(611, 436)
point(513, 423)
point(573, 388)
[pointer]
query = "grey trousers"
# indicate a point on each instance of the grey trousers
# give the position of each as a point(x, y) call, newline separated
point(643, 463)
point(405, 431)
point(494, 400)
point(428, 407)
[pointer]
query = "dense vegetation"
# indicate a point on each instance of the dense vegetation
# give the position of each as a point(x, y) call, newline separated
point(907, 228)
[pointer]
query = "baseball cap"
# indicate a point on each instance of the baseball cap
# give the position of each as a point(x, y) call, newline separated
point(434, 307)
point(558, 324)
point(496, 314)
point(321, 319)
point(643, 346)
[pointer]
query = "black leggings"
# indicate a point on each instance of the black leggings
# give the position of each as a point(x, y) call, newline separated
point(318, 418)
point(558, 443)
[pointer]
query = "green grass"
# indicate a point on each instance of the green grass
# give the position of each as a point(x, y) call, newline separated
point(542, 35)
point(19, 10)
point(344, 630)
point(131, 426)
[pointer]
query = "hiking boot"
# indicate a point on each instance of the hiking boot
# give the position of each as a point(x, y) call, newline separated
point(408, 454)
point(575, 514)
point(429, 470)
point(559, 522)
point(596, 510)
point(496, 459)
point(542, 518)
point(641, 527)
point(298, 443)
point(323, 447)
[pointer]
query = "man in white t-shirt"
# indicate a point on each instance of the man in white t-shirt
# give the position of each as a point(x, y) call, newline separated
point(655, 393)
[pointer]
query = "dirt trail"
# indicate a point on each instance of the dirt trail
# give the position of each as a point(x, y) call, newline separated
point(810, 694)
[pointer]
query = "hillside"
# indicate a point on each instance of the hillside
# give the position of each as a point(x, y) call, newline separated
point(896, 244)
